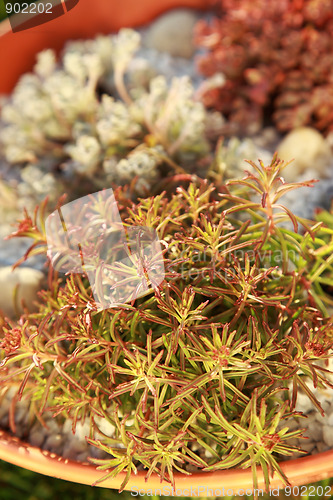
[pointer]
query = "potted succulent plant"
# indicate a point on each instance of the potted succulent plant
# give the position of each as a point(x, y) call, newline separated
point(195, 382)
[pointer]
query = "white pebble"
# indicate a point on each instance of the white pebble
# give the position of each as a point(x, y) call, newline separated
point(322, 447)
point(37, 436)
point(303, 403)
point(73, 448)
point(173, 33)
point(105, 427)
point(309, 150)
point(330, 420)
point(82, 457)
point(308, 447)
point(314, 431)
point(28, 282)
point(54, 443)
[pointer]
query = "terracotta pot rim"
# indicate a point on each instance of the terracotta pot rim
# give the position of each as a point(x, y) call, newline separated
point(300, 471)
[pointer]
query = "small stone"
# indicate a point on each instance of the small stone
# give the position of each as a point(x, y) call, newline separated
point(28, 282)
point(97, 452)
point(322, 447)
point(82, 430)
point(67, 427)
point(173, 33)
point(195, 447)
point(309, 150)
point(208, 454)
point(314, 432)
point(4, 421)
point(4, 408)
point(54, 443)
point(192, 468)
point(37, 437)
point(293, 441)
point(73, 448)
point(328, 435)
point(21, 413)
point(326, 406)
point(52, 427)
point(296, 455)
point(308, 447)
point(319, 418)
point(330, 420)
point(105, 427)
point(82, 457)
point(303, 403)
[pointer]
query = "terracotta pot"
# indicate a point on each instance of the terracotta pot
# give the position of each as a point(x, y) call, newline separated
point(18, 52)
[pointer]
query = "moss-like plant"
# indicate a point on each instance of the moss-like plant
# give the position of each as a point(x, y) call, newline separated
point(195, 374)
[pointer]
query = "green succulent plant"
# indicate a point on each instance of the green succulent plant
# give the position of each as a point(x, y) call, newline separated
point(195, 374)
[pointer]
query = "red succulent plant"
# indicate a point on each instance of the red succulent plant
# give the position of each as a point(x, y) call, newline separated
point(277, 58)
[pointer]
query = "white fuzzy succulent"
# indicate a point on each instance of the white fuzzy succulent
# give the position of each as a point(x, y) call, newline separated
point(141, 162)
point(124, 46)
point(173, 115)
point(85, 68)
point(46, 63)
point(18, 154)
point(20, 145)
point(28, 102)
point(74, 66)
point(69, 98)
point(101, 47)
point(56, 114)
point(26, 117)
point(36, 184)
point(115, 122)
point(42, 110)
point(46, 104)
point(86, 154)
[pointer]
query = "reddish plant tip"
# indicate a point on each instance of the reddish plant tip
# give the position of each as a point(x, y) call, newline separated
point(11, 341)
